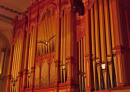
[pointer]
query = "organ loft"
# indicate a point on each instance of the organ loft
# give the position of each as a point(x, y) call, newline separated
point(71, 46)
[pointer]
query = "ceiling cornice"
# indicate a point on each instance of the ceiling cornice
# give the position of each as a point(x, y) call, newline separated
point(11, 10)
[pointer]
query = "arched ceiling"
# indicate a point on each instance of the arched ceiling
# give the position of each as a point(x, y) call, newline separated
point(8, 10)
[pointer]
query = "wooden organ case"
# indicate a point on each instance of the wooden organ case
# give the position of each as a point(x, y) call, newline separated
point(68, 46)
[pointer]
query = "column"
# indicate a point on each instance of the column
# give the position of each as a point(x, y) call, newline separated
point(118, 48)
point(9, 69)
point(89, 71)
point(71, 44)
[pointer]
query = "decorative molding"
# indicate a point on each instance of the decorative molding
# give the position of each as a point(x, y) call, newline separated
point(80, 27)
point(11, 10)
point(48, 57)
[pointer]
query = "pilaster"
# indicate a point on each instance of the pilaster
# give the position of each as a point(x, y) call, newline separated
point(89, 83)
point(71, 45)
point(26, 62)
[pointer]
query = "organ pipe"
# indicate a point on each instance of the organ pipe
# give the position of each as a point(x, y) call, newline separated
point(93, 47)
point(61, 51)
point(112, 38)
point(108, 40)
point(82, 66)
point(84, 63)
point(16, 65)
point(63, 48)
point(97, 42)
point(102, 40)
point(104, 62)
point(80, 85)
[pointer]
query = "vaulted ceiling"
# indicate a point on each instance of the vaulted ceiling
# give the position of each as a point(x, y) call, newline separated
point(8, 10)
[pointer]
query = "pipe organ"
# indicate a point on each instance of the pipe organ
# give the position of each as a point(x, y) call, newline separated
point(104, 62)
point(70, 46)
point(16, 63)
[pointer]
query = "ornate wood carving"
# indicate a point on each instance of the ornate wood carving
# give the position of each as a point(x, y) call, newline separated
point(80, 27)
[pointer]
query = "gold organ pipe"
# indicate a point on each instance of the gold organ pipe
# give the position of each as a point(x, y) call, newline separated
point(45, 32)
point(52, 22)
point(107, 27)
point(52, 29)
point(64, 32)
point(12, 63)
point(51, 33)
point(34, 45)
point(16, 65)
point(108, 40)
point(112, 37)
point(80, 85)
point(84, 61)
point(48, 32)
point(54, 26)
point(16, 59)
point(31, 46)
point(64, 44)
point(34, 52)
point(46, 23)
point(29, 52)
point(93, 47)
point(17, 62)
point(102, 40)
point(12, 71)
point(61, 51)
point(19, 51)
point(30, 57)
point(44, 35)
point(15, 70)
point(97, 42)
point(40, 47)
